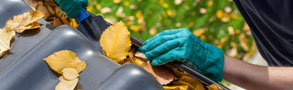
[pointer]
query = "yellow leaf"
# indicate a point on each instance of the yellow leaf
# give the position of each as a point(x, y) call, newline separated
point(153, 31)
point(5, 38)
point(24, 21)
point(178, 73)
point(190, 80)
point(138, 14)
point(98, 6)
point(35, 25)
point(171, 13)
point(181, 87)
point(210, 3)
point(115, 42)
point(69, 73)
point(126, 3)
point(219, 14)
point(198, 85)
point(237, 31)
point(61, 15)
point(214, 87)
point(90, 8)
point(65, 84)
point(180, 82)
point(65, 59)
point(135, 27)
point(165, 5)
point(73, 23)
point(139, 62)
point(225, 19)
point(117, 1)
point(199, 32)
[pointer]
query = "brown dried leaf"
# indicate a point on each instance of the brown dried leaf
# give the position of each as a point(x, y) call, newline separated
point(162, 74)
point(42, 8)
point(140, 55)
point(51, 10)
point(32, 3)
point(56, 22)
point(24, 21)
point(61, 15)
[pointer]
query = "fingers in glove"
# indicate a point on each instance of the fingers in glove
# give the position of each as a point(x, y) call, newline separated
point(166, 32)
point(158, 41)
point(66, 5)
point(162, 48)
point(75, 10)
point(169, 56)
point(59, 1)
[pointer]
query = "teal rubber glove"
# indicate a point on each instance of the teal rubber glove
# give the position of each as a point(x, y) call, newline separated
point(181, 44)
point(72, 7)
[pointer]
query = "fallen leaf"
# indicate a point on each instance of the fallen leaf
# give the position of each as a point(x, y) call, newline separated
point(57, 22)
point(51, 10)
point(180, 82)
point(65, 84)
point(65, 59)
point(181, 87)
point(5, 38)
point(198, 85)
point(61, 15)
point(35, 25)
point(73, 23)
point(214, 87)
point(117, 1)
point(178, 73)
point(24, 21)
point(140, 55)
point(199, 32)
point(192, 83)
point(69, 73)
point(42, 8)
point(115, 42)
point(106, 10)
point(162, 74)
point(139, 62)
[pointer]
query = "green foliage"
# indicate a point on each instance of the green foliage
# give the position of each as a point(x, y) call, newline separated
point(145, 18)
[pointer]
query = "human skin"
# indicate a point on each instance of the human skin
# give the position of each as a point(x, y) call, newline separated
point(256, 77)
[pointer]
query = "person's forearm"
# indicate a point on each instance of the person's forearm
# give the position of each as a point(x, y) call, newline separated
point(255, 77)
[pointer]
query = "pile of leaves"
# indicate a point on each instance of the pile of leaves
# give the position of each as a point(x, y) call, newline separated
point(53, 14)
point(217, 22)
point(18, 24)
point(116, 44)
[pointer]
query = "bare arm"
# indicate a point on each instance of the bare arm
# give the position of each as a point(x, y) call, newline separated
point(255, 77)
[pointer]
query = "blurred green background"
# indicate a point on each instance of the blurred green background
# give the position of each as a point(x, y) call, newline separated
point(217, 22)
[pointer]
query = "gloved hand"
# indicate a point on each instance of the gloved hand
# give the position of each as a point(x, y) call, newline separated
point(72, 7)
point(181, 44)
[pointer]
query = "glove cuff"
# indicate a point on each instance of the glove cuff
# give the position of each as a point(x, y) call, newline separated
point(214, 63)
